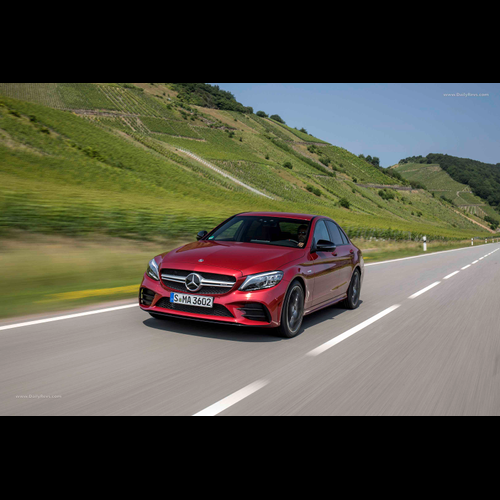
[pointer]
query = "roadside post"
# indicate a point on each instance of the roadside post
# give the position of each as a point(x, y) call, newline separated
point(472, 242)
point(425, 243)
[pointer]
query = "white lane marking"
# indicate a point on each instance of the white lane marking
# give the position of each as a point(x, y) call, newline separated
point(231, 400)
point(450, 275)
point(465, 267)
point(419, 256)
point(69, 316)
point(352, 331)
point(475, 262)
point(481, 258)
point(415, 295)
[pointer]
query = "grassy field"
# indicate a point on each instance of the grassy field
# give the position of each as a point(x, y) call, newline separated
point(51, 273)
point(439, 182)
point(376, 251)
point(76, 174)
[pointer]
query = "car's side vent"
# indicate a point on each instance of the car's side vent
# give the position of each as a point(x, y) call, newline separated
point(146, 296)
point(256, 312)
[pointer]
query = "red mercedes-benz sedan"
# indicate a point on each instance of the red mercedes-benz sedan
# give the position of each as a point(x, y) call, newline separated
point(256, 269)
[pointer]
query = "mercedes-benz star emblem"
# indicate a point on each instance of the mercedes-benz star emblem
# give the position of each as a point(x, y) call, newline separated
point(201, 260)
point(193, 282)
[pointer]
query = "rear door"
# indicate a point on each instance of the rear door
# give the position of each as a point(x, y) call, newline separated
point(343, 257)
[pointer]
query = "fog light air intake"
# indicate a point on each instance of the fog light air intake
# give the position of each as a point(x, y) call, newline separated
point(146, 296)
point(256, 312)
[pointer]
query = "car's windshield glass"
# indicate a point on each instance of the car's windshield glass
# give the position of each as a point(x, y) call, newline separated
point(278, 231)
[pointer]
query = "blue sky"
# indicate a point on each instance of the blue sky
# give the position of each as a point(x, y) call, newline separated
point(388, 120)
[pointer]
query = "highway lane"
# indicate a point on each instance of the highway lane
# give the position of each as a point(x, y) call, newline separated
point(435, 354)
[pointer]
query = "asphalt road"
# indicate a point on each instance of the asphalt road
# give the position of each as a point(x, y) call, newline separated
point(401, 352)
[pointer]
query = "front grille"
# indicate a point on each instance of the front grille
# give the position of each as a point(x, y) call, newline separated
point(146, 296)
point(256, 312)
point(213, 284)
point(217, 310)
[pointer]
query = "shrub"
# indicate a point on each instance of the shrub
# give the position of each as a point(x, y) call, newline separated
point(344, 202)
point(313, 190)
point(287, 164)
point(277, 118)
point(386, 195)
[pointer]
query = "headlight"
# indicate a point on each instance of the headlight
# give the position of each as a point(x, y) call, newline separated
point(261, 281)
point(153, 271)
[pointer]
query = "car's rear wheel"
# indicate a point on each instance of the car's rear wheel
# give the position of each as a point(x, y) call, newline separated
point(292, 312)
point(353, 294)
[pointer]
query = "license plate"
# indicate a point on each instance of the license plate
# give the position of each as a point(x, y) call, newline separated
point(192, 300)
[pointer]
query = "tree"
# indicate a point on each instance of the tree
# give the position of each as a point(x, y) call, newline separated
point(277, 118)
point(262, 114)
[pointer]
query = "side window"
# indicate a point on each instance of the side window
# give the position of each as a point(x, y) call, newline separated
point(344, 237)
point(335, 232)
point(321, 233)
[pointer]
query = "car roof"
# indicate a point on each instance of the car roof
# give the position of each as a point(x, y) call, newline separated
point(285, 215)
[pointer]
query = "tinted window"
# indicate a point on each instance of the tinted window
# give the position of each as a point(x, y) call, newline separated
point(264, 231)
point(321, 233)
point(335, 232)
point(228, 232)
point(344, 237)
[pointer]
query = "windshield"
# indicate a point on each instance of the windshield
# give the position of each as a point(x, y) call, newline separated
point(277, 231)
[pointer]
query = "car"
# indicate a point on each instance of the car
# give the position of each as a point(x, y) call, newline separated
point(259, 269)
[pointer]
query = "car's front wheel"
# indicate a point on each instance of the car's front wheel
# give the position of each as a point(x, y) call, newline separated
point(292, 312)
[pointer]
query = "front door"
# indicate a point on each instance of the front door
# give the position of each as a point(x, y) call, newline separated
point(323, 266)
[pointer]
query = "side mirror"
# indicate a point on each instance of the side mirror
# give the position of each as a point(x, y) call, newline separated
point(324, 246)
point(201, 235)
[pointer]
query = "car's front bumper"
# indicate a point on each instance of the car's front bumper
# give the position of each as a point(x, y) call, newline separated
point(258, 308)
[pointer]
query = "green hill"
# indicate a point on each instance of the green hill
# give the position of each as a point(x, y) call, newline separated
point(438, 179)
point(160, 160)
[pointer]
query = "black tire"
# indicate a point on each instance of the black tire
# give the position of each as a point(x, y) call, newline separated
point(354, 291)
point(292, 312)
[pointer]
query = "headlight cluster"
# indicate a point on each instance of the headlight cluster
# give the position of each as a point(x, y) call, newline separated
point(153, 271)
point(262, 281)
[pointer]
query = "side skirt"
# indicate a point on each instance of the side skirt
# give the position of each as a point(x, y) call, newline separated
point(326, 304)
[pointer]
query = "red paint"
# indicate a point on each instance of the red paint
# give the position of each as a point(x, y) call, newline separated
point(324, 275)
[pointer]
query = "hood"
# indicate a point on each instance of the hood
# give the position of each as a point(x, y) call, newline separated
point(247, 258)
